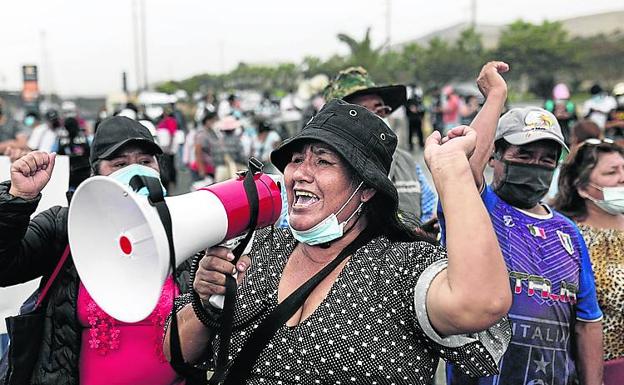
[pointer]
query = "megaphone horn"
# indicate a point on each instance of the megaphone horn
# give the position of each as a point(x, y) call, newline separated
point(120, 247)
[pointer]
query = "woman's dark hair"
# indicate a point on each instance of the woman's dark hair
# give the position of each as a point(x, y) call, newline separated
point(383, 216)
point(208, 115)
point(585, 129)
point(395, 225)
point(575, 173)
point(72, 126)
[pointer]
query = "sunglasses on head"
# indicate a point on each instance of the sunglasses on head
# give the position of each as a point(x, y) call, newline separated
point(596, 141)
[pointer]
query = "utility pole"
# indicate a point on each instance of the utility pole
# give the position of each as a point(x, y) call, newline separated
point(388, 23)
point(46, 67)
point(144, 41)
point(137, 49)
point(221, 56)
point(473, 13)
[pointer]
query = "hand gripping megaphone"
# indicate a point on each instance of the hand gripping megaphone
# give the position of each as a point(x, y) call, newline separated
point(120, 247)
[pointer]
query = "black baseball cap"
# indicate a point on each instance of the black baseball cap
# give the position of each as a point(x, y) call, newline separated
point(358, 135)
point(115, 132)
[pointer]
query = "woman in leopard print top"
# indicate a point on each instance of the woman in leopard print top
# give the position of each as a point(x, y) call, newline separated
point(591, 191)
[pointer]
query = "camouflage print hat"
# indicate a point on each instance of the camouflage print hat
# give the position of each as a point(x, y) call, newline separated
point(355, 81)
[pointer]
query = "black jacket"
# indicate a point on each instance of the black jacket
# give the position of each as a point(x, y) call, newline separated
point(31, 249)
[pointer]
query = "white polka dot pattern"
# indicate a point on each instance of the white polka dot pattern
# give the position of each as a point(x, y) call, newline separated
point(365, 332)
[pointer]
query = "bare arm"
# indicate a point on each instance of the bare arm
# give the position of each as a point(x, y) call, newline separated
point(199, 159)
point(473, 292)
point(589, 352)
point(494, 89)
point(194, 336)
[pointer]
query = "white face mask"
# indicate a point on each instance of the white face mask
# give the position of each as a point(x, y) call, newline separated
point(613, 202)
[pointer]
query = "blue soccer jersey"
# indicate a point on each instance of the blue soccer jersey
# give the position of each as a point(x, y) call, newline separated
point(552, 284)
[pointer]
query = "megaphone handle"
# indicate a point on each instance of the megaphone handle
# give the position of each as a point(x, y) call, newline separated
point(217, 300)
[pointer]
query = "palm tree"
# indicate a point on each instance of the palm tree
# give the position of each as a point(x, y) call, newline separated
point(362, 52)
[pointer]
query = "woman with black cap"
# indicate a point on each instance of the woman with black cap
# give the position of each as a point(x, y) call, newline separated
point(380, 304)
point(79, 343)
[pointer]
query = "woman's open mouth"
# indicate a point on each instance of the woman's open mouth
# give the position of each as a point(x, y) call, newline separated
point(304, 199)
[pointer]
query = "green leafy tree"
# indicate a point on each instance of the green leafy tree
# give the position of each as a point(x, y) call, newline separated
point(600, 58)
point(470, 53)
point(537, 52)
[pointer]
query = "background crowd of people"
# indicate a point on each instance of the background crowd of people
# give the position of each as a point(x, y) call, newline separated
point(554, 197)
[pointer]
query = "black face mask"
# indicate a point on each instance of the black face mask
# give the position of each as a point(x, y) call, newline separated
point(524, 185)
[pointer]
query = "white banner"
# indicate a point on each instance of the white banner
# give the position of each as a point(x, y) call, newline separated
point(53, 194)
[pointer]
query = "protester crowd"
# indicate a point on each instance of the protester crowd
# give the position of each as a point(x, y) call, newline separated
point(514, 280)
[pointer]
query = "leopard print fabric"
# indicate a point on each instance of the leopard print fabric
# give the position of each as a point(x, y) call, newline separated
point(606, 250)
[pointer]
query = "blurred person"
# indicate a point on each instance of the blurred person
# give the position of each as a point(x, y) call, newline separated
point(31, 120)
point(291, 112)
point(81, 344)
point(389, 304)
point(44, 136)
point(69, 109)
point(12, 134)
point(264, 143)
point(468, 110)
point(563, 108)
point(450, 107)
point(312, 108)
point(582, 130)
point(101, 115)
point(556, 320)
point(226, 148)
point(435, 111)
point(354, 85)
point(166, 131)
point(205, 139)
point(598, 106)
point(72, 141)
point(248, 135)
point(614, 128)
point(591, 192)
point(179, 117)
point(205, 105)
point(229, 106)
point(415, 111)
point(130, 111)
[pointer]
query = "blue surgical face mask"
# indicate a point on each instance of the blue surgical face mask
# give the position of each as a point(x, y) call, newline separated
point(125, 174)
point(328, 229)
point(29, 121)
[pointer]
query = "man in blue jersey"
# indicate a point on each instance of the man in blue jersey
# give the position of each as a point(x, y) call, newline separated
point(556, 322)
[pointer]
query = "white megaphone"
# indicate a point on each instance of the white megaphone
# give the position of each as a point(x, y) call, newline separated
point(120, 247)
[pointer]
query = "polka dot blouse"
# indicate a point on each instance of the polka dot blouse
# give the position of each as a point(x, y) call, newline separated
point(372, 328)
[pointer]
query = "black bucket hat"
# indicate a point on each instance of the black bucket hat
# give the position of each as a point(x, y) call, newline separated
point(359, 136)
point(114, 133)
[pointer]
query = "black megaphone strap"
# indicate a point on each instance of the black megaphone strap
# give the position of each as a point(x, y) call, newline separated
point(193, 375)
point(261, 336)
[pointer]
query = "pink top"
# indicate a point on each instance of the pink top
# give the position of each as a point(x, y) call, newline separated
point(170, 124)
point(115, 352)
point(450, 114)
